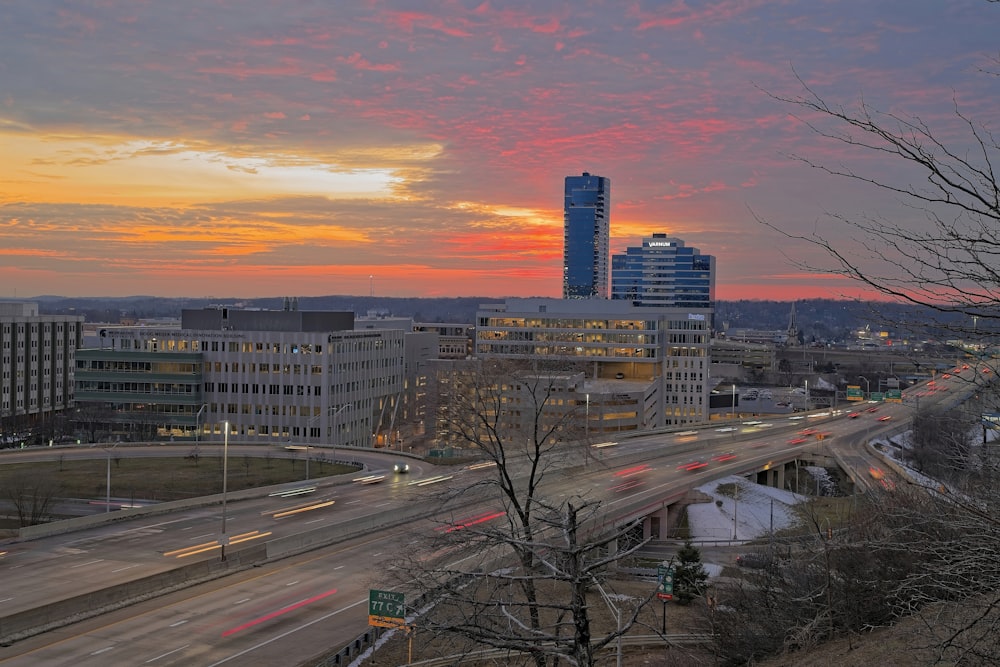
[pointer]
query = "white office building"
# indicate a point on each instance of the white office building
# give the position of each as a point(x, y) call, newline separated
point(645, 367)
point(274, 376)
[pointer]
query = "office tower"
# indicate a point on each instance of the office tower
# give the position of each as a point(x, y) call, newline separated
point(586, 236)
point(663, 272)
point(37, 356)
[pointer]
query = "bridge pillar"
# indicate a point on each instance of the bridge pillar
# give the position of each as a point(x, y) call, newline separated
point(654, 526)
point(779, 477)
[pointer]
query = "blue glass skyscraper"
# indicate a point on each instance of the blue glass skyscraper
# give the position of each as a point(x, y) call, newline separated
point(586, 232)
point(663, 272)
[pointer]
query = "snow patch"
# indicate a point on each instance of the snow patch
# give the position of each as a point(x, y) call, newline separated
point(753, 512)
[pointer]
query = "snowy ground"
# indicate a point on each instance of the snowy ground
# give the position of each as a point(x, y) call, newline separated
point(752, 512)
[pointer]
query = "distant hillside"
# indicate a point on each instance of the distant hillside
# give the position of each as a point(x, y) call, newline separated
point(817, 319)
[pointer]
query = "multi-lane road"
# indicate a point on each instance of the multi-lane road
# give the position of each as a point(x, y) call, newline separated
point(288, 611)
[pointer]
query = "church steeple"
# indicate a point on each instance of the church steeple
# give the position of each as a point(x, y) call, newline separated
point(793, 328)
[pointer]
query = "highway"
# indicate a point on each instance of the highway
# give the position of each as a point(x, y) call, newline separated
point(288, 611)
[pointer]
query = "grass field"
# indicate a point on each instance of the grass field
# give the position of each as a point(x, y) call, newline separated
point(160, 479)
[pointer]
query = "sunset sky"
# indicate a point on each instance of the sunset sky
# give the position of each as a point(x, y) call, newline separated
point(250, 148)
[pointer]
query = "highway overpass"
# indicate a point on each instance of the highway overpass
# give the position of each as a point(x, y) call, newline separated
point(287, 596)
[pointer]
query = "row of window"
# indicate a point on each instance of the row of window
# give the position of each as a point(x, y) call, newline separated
point(526, 349)
point(158, 388)
point(268, 389)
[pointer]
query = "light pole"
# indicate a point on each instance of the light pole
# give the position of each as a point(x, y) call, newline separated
point(732, 413)
point(107, 497)
point(618, 617)
point(336, 431)
point(225, 478)
point(868, 385)
point(587, 419)
point(197, 421)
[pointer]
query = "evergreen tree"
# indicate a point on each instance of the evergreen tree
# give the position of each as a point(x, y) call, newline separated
point(690, 576)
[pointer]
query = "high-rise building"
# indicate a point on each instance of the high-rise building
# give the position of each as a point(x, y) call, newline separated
point(663, 272)
point(36, 358)
point(586, 232)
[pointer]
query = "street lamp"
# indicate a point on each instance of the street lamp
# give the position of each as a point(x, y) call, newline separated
point(197, 421)
point(586, 423)
point(225, 478)
point(336, 431)
point(868, 385)
point(732, 413)
point(107, 498)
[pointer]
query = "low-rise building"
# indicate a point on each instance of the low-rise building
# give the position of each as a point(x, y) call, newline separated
point(272, 376)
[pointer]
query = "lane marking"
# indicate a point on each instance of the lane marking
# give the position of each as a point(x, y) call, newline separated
point(127, 567)
point(91, 562)
point(164, 655)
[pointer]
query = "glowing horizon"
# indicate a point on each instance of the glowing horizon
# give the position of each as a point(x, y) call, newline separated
point(188, 150)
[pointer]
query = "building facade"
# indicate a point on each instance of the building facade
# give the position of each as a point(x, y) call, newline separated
point(653, 362)
point(36, 369)
point(586, 236)
point(273, 376)
point(663, 272)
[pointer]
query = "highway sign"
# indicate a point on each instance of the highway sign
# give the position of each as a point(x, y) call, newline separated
point(877, 396)
point(854, 393)
point(894, 396)
point(386, 609)
point(665, 589)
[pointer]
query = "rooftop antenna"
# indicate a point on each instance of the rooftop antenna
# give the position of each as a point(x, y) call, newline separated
point(371, 285)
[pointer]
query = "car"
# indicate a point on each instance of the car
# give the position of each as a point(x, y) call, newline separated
point(401, 467)
point(691, 466)
point(854, 415)
point(807, 431)
point(876, 473)
point(797, 440)
point(728, 456)
point(885, 418)
point(726, 429)
point(874, 408)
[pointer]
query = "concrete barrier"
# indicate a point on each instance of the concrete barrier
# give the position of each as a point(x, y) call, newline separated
point(83, 522)
point(63, 612)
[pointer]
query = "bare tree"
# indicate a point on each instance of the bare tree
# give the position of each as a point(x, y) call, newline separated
point(32, 498)
point(942, 546)
point(517, 570)
point(941, 444)
point(949, 264)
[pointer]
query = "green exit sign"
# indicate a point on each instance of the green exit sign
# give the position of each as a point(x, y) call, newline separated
point(386, 609)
